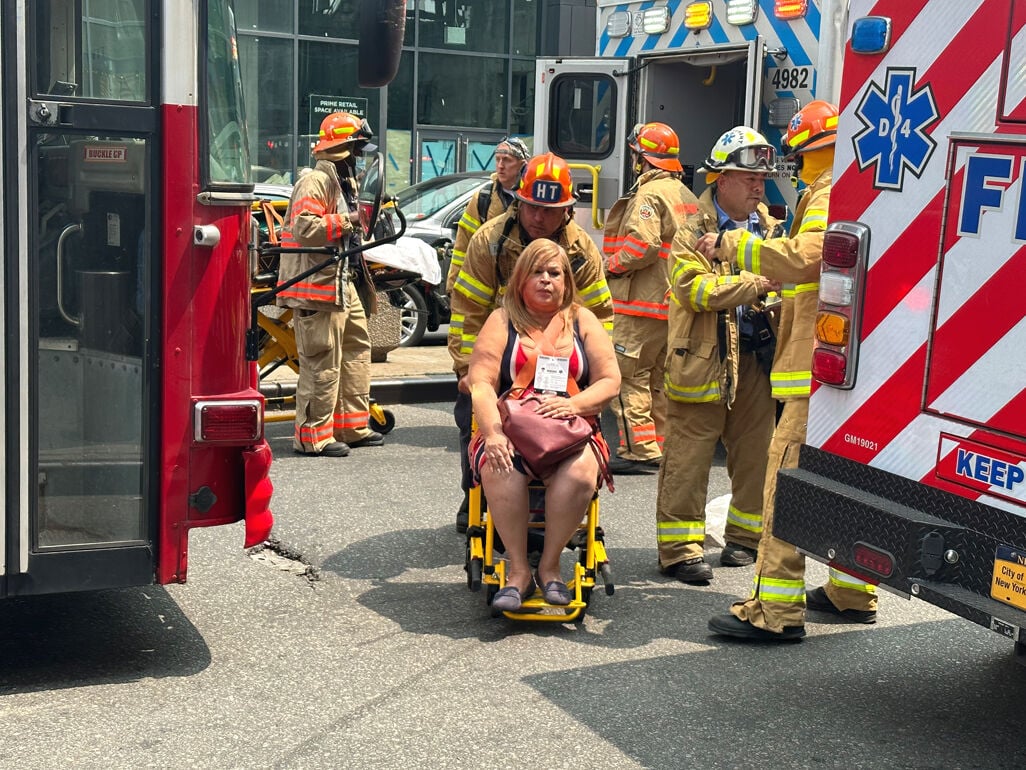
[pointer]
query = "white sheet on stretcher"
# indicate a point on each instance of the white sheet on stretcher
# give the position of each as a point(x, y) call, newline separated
point(408, 254)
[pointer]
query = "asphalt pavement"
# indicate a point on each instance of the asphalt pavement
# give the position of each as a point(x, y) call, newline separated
point(357, 644)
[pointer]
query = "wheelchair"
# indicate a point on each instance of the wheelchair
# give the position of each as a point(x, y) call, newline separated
point(485, 566)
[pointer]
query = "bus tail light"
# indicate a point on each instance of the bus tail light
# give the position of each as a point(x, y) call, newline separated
point(841, 287)
point(229, 421)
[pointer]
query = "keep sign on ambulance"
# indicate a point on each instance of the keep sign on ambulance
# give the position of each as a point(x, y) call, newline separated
point(975, 374)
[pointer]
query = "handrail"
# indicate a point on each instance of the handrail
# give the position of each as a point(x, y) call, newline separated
point(65, 233)
point(594, 171)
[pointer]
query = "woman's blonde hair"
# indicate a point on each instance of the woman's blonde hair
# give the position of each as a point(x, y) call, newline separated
point(537, 252)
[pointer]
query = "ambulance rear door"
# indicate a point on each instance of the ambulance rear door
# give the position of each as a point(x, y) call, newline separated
point(584, 107)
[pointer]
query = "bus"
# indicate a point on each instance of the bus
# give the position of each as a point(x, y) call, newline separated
point(131, 412)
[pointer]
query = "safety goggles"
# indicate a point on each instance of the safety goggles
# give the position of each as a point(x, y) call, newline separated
point(632, 137)
point(515, 148)
point(758, 157)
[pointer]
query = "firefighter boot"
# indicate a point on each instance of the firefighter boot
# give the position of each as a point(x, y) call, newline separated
point(729, 625)
point(734, 555)
point(818, 601)
point(691, 571)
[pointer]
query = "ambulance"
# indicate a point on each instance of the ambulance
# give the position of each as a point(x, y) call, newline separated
point(914, 473)
point(701, 68)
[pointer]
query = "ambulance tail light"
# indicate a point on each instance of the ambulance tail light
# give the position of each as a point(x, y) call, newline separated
point(229, 421)
point(873, 559)
point(790, 9)
point(841, 288)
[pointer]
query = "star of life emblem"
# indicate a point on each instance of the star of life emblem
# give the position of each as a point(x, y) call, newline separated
point(894, 139)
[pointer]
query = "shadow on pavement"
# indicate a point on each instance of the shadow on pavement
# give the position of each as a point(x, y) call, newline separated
point(644, 606)
point(91, 638)
point(880, 698)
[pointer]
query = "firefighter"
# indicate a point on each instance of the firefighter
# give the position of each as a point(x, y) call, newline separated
point(776, 609)
point(717, 387)
point(492, 200)
point(542, 209)
point(639, 230)
point(329, 314)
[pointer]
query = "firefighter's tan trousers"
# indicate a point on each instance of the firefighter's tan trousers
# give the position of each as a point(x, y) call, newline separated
point(640, 409)
point(692, 433)
point(778, 596)
point(333, 391)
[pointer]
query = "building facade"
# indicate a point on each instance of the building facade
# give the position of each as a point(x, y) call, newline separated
point(465, 79)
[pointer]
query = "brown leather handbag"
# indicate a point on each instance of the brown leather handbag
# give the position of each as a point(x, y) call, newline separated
point(541, 441)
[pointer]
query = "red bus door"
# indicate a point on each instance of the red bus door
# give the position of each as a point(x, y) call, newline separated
point(79, 131)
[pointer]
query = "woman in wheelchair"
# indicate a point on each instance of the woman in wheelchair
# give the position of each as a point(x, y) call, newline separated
point(538, 316)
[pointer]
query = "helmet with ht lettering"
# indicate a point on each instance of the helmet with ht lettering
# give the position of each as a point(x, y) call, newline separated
point(658, 144)
point(741, 149)
point(546, 182)
point(813, 127)
point(338, 131)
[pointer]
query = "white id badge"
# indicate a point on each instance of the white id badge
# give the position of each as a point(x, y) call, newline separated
point(552, 373)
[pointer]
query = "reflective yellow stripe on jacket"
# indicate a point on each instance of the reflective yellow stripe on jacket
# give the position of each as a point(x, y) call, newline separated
point(474, 290)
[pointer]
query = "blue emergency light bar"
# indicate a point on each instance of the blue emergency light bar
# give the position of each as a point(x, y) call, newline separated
point(871, 35)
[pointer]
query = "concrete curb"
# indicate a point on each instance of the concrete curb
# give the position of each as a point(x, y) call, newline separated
point(398, 390)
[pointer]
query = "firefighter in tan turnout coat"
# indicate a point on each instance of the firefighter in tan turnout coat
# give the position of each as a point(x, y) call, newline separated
point(491, 200)
point(717, 372)
point(329, 318)
point(639, 229)
point(776, 609)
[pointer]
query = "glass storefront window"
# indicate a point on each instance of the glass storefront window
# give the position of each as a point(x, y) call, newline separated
point(328, 73)
point(525, 27)
point(464, 25)
point(328, 18)
point(268, 79)
point(265, 15)
point(462, 91)
point(521, 102)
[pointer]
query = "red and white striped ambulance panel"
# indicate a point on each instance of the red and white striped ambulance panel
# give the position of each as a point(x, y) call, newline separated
point(914, 473)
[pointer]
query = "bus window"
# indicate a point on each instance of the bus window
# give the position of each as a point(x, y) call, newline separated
point(228, 145)
point(101, 57)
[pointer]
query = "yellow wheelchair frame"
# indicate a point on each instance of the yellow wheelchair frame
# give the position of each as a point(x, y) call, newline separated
point(483, 568)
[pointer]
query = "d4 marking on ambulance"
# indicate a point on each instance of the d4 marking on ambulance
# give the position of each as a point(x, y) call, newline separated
point(894, 138)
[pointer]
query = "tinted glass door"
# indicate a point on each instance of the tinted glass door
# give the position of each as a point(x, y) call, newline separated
point(81, 518)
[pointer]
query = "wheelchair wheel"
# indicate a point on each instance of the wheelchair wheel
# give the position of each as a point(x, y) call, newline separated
point(381, 420)
point(474, 575)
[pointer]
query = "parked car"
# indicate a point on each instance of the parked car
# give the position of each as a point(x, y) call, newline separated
point(432, 209)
